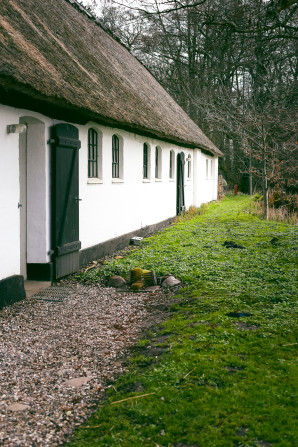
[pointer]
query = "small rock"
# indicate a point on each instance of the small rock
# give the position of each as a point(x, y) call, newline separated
point(136, 240)
point(274, 241)
point(242, 326)
point(18, 407)
point(77, 381)
point(239, 314)
point(242, 431)
point(118, 257)
point(119, 327)
point(231, 244)
point(152, 288)
point(116, 281)
point(170, 281)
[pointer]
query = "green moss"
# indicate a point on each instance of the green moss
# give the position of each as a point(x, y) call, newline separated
point(224, 380)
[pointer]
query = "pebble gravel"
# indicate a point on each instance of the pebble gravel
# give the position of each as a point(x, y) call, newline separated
point(59, 351)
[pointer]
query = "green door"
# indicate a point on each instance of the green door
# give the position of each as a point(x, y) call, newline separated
point(65, 199)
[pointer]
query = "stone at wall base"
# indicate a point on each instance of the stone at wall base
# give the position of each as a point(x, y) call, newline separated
point(170, 281)
point(116, 281)
point(11, 290)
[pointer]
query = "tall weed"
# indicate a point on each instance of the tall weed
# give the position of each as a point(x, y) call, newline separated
point(192, 212)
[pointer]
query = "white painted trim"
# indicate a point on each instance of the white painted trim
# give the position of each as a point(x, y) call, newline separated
point(94, 181)
point(117, 180)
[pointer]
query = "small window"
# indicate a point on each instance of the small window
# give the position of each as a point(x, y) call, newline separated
point(172, 164)
point(116, 157)
point(145, 161)
point(207, 167)
point(158, 162)
point(92, 153)
point(212, 168)
point(189, 166)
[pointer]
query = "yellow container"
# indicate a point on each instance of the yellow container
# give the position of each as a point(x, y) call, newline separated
point(136, 275)
point(149, 277)
point(138, 285)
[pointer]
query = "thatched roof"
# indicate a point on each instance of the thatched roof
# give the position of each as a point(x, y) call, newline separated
point(57, 60)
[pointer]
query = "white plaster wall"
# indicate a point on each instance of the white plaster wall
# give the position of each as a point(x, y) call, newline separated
point(9, 196)
point(112, 207)
point(37, 194)
point(205, 183)
point(38, 190)
point(109, 207)
point(189, 181)
point(215, 180)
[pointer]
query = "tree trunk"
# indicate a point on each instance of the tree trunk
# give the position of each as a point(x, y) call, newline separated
point(250, 175)
point(265, 187)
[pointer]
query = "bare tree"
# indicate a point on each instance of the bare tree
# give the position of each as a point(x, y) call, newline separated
point(233, 69)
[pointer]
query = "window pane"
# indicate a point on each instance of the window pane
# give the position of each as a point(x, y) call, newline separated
point(145, 161)
point(92, 153)
point(115, 156)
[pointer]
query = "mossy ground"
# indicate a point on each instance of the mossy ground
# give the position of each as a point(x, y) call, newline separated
point(225, 373)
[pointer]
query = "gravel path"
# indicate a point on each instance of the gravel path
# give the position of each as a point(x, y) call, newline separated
point(59, 350)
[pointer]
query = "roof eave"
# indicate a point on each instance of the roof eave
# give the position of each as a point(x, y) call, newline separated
point(24, 96)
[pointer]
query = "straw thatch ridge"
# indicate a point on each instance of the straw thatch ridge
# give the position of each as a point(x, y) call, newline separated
point(56, 59)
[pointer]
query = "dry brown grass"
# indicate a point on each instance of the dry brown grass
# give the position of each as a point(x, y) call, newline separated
point(192, 212)
point(281, 214)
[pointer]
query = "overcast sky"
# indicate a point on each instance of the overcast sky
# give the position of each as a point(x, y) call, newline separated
point(131, 3)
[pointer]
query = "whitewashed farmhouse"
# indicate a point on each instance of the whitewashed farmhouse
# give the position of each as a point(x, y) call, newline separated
point(92, 149)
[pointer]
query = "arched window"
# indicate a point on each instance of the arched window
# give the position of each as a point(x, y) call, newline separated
point(189, 166)
point(145, 161)
point(172, 164)
point(92, 153)
point(116, 157)
point(158, 162)
point(212, 168)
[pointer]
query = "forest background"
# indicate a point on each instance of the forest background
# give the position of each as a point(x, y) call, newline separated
point(232, 66)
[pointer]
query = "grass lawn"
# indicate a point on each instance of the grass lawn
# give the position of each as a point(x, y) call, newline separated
point(226, 371)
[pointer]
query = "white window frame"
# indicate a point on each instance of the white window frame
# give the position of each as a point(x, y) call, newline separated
point(148, 178)
point(158, 163)
point(120, 177)
point(99, 177)
point(173, 166)
point(212, 168)
point(189, 167)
